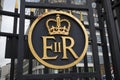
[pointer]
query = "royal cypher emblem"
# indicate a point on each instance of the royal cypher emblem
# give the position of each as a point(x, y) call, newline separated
point(58, 40)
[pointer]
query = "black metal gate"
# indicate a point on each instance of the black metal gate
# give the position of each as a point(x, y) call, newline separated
point(106, 25)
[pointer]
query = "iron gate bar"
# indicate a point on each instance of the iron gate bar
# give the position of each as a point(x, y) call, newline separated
point(94, 41)
point(12, 14)
point(7, 13)
point(15, 23)
point(60, 75)
point(8, 34)
point(113, 38)
point(13, 59)
point(103, 40)
point(86, 65)
point(56, 6)
point(117, 21)
point(30, 57)
point(16, 35)
point(118, 26)
point(116, 5)
point(21, 41)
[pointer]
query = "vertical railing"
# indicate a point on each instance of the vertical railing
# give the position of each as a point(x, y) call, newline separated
point(93, 40)
point(113, 38)
point(21, 41)
point(30, 57)
point(12, 69)
point(103, 40)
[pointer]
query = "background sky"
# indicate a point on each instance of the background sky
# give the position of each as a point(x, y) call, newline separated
point(7, 23)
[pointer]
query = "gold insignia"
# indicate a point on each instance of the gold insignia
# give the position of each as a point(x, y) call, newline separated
point(58, 28)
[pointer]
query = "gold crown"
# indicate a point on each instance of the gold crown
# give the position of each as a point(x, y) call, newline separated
point(58, 29)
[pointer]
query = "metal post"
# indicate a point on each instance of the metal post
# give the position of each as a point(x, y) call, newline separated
point(86, 65)
point(21, 41)
point(30, 57)
point(104, 42)
point(113, 38)
point(14, 32)
point(12, 69)
point(94, 41)
point(117, 10)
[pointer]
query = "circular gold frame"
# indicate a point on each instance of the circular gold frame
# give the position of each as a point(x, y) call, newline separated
point(48, 64)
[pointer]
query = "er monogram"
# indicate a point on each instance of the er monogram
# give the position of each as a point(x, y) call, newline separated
point(56, 46)
point(52, 42)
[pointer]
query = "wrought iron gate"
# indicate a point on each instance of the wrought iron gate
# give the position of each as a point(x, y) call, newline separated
point(106, 21)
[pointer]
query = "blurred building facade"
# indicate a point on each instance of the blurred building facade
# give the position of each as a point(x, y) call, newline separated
point(5, 72)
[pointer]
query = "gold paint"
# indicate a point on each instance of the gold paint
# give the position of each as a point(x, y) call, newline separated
point(59, 47)
point(16, 4)
point(46, 10)
point(70, 11)
point(55, 46)
point(58, 29)
point(81, 16)
point(44, 62)
point(65, 47)
point(45, 47)
point(32, 9)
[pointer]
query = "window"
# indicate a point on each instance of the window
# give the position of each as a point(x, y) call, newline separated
point(78, 2)
point(89, 48)
point(98, 38)
point(100, 48)
point(32, 0)
point(91, 69)
point(85, 18)
point(76, 14)
point(57, 1)
point(90, 59)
